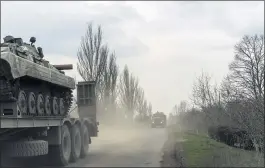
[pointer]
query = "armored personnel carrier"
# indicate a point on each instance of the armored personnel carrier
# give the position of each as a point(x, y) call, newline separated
point(37, 87)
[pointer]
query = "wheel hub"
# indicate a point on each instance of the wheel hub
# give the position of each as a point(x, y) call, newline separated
point(47, 105)
point(55, 106)
point(22, 102)
point(61, 106)
point(40, 104)
point(32, 103)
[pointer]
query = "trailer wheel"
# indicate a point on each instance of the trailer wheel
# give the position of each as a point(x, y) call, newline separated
point(60, 154)
point(76, 143)
point(85, 141)
point(25, 148)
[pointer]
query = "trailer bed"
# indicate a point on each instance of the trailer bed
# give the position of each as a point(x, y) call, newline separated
point(8, 122)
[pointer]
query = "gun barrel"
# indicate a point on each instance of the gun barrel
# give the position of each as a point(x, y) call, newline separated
point(64, 66)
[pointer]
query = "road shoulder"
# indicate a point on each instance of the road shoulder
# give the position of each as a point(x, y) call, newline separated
point(196, 150)
point(173, 155)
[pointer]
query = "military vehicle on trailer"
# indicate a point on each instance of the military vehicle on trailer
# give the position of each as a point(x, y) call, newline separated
point(35, 100)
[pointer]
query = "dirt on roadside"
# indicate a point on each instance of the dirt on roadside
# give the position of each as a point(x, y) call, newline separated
point(173, 155)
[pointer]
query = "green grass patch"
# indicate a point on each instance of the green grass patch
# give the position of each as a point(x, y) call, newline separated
point(202, 151)
point(199, 149)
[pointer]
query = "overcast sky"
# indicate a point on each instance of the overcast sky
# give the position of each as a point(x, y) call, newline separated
point(165, 44)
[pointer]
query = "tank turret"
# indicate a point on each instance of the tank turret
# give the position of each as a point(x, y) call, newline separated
point(9, 39)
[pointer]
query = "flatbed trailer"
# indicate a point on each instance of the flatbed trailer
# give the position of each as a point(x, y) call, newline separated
point(63, 140)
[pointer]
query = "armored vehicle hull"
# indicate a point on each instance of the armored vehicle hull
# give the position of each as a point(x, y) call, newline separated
point(37, 87)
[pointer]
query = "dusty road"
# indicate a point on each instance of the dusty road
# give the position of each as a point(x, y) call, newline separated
point(140, 147)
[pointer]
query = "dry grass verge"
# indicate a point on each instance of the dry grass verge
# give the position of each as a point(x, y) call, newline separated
point(201, 151)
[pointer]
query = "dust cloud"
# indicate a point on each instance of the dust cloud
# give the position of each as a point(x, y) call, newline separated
point(125, 145)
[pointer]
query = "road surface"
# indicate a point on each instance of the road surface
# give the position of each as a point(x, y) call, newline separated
point(141, 147)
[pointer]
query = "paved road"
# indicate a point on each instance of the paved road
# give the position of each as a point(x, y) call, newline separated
point(125, 148)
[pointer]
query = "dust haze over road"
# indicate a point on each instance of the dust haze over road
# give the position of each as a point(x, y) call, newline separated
point(115, 147)
point(127, 147)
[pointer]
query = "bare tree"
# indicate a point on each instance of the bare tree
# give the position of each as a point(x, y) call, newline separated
point(175, 109)
point(128, 92)
point(109, 82)
point(239, 101)
point(92, 55)
point(204, 93)
point(183, 107)
point(144, 111)
point(229, 91)
point(247, 80)
point(142, 107)
point(150, 108)
point(247, 69)
point(208, 97)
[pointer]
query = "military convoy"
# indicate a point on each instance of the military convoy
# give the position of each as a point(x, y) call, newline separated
point(35, 101)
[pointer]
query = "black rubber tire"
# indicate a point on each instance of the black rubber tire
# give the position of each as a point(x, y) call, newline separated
point(56, 152)
point(25, 148)
point(76, 143)
point(85, 141)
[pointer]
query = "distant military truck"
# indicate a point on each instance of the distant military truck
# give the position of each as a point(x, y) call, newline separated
point(159, 119)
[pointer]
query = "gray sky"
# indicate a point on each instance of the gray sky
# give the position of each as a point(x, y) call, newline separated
point(165, 44)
